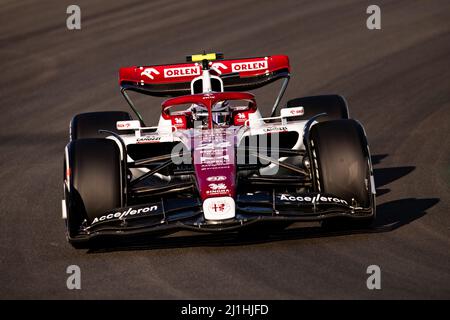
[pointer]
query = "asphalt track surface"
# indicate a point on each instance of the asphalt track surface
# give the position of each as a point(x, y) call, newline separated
point(396, 81)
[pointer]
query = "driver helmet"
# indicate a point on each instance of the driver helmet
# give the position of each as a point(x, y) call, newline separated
point(221, 113)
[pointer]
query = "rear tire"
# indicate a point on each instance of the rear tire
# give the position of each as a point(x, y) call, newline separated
point(87, 125)
point(342, 167)
point(334, 105)
point(93, 182)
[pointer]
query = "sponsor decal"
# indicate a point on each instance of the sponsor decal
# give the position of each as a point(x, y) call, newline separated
point(249, 66)
point(312, 199)
point(241, 118)
point(213, 145)
point(216, 178)
point(179, 122)
point(148, 139)
point(123, 125)
point(217, 189)
point(213, 150)
point(206, 167)
point(292, 112)
point(217, 186)
point(208, 96)
point(148, 72)
point(218, 66)
point(120, 215)
point(130, 124)
point(215, 160)
point(275, 129)
point(296, 112)
point(181, 72)
point(219, 208)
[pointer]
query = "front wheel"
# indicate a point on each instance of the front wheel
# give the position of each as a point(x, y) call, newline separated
point(342, 167)
point(93, 182)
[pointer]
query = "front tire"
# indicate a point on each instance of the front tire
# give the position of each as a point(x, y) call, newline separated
point(93, 182)
point(342, 167)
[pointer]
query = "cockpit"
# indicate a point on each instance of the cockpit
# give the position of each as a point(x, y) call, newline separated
point(209, 110)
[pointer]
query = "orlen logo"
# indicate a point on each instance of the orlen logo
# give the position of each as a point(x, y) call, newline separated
point(148, 72)
point(216, 178)
point(181, 72)
point(249, 66)
point(217, 66)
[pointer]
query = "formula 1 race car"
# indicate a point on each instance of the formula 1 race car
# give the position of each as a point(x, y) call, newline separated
point(213, 163)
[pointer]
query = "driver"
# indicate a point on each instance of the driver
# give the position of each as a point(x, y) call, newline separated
point(220, 113)
point(199, 115)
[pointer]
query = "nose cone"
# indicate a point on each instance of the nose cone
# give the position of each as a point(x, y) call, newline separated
point(219, 208)
point(214, 163)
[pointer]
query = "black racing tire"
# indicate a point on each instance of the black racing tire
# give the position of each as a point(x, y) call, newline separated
point(93, 182)
point(333, 105)
point(341, 166)
point(87, 125)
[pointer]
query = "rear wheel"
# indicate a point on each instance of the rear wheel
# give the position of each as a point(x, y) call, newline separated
point(341, 166)
point(87, 125)
point(333, 105)
point(93, 182)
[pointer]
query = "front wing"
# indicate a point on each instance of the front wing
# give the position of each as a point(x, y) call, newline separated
point(187, 214)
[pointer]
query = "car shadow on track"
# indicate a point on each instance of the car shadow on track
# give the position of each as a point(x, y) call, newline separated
point(390, 216)
point(384, 176)
point(377, 158)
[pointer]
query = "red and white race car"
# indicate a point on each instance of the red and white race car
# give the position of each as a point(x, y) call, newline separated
point(213, 163)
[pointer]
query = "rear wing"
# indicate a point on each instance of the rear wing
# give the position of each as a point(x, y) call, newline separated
point(172, 80)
